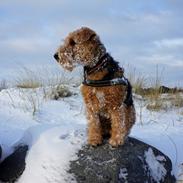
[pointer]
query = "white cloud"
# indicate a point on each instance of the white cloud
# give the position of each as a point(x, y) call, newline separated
point(169, 43)
point(21, 45)
point(166, 60)
point(140, 33)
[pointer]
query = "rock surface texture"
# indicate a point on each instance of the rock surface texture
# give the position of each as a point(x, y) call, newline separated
point(13, 166)
point(0, 152)
point(134, 162)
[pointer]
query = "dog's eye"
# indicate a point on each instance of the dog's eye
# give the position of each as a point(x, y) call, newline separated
point(92, 36)
point(72, 42)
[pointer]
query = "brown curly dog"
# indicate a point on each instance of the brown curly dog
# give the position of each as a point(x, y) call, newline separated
point(106, 92)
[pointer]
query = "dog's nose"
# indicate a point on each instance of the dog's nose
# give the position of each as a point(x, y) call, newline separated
point(56, 56)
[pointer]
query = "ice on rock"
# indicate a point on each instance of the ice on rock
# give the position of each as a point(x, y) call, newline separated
point(155, 165)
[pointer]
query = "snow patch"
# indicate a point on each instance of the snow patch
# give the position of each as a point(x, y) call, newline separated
point(119, 80)
point(155, 167)
point(123, 174)
point(48, 158)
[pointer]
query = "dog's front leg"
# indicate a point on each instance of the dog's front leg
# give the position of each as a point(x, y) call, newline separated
point(118, 129)
point(94, 129)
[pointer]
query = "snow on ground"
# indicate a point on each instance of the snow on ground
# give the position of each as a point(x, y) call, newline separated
point(53, 134)
point(58, 129)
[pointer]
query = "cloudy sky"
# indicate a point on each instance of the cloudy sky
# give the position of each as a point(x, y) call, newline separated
point(141, 33)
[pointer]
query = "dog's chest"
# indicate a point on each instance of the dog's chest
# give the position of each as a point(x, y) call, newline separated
point(105, 98)
point(100, 97)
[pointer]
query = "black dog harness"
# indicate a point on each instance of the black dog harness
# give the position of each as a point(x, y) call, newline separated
point(107, 62)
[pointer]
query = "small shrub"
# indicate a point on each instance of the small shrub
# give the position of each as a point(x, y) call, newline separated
point(59, 91)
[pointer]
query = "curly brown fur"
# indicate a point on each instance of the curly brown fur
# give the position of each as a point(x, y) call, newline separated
point(106, 112)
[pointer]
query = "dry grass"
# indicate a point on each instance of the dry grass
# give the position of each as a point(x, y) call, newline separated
point(137, 80)
point(42, 77)
point(155, 103)
point(29, 84)
point(35, 97)
point(32, 100)
point(3, 85)
point(178, 100)
point(28, 79)
point(153, 93)
point(43, 83)
point(159, 102)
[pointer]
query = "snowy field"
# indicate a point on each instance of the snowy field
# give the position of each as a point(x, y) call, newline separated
point(56, 129)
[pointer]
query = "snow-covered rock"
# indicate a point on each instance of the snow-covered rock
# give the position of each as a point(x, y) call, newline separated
point(13, 165)
point(134, 162)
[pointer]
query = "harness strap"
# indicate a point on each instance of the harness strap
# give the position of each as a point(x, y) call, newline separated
point(129, 100)
point(118, 81)
point(108, 79)
point(101, 83)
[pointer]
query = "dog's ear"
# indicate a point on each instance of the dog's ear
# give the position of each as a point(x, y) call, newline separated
point(82, 35)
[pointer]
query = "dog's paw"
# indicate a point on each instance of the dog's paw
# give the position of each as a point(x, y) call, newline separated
point(116, 142)
point(94, 142)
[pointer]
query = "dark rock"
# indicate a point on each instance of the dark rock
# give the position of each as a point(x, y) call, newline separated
point(127, 163)
point(162, 89)
point(13, 166)
point(0, 152)
point(165, 89)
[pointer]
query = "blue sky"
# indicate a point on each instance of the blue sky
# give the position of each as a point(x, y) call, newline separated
point(141, 33)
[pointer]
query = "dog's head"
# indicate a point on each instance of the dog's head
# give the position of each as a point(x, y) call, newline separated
point(82, 47)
